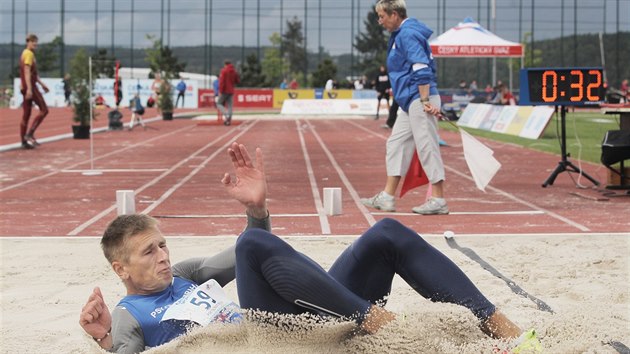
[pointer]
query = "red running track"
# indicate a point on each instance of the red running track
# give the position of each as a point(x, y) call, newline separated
point(175, 172)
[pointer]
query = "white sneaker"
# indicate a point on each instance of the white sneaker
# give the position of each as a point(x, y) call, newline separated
point(431, 207)
point(380, 202)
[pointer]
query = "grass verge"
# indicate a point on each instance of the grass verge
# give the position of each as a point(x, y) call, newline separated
point(585, 132)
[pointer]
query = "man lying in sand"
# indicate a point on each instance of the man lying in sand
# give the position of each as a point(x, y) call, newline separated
point(164, 301)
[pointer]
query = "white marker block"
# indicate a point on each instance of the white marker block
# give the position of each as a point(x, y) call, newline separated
point(125, 201)
point(332, 201)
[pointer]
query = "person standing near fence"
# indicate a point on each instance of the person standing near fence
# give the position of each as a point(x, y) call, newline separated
point(228, 79)
point(412, 73)
point(28, 86)
point(67, 89)
point(181, 92)
point(383, 88)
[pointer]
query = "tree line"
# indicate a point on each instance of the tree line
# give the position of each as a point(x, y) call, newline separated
point(286, 58)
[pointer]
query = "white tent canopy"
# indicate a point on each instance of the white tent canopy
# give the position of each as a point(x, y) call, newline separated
point(470, 39)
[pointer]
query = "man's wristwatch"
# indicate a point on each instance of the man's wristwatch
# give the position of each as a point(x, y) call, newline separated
point(424, 100)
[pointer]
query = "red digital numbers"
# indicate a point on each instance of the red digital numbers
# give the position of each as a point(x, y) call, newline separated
point(554, 87)
point(577, 85)
point(572, 84)
point(594, 85)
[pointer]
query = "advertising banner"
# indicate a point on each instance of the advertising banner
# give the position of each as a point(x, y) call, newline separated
point(524, 121)
point(337, 94)
point(105, 89)
point(505, 118)
point(336, 106)
point(477, 50)
point(279, 96)
point(253, 98)
point(206, 98)
point(364, 94)
point(537, 122)
point(54, 97)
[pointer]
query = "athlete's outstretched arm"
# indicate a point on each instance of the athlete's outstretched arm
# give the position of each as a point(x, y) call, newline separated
point(249, 184)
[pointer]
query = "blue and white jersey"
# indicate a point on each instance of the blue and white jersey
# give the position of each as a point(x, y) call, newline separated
point(149, 309)
point(170, 313)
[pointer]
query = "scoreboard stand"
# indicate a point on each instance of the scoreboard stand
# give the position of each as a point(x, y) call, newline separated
point(565, 164)
point(562, 87)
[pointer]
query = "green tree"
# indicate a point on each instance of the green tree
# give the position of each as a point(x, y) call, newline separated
point(372, 45)
point(15, 73)
point(47, 58)
point(104, 65)
point(293, 46)
point(274, 66)
point(529, 60)
point(252, 75)
point(325, 70)
point(81, 89)
point(161, 59)
point(165, 100)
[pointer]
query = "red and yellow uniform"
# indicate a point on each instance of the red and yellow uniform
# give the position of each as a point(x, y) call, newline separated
point(28, 63)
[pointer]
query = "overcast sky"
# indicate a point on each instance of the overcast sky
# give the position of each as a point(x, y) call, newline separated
point(90, 21)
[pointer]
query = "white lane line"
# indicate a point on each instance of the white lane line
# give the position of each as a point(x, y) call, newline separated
point(323, 219)
point(102, 214)
point(327, 238)
point(192, 173)
point(94, 219)
point(118, 170)
point(53, 138)
point(229, 216)
point(525, 212)
point(524, 202)
point(353, 193)
point(113, 153)
point(496, 190)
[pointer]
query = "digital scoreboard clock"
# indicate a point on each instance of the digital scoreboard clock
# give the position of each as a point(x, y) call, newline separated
point(562, 86)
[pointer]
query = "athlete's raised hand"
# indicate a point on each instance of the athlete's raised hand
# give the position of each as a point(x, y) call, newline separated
point(249, 185)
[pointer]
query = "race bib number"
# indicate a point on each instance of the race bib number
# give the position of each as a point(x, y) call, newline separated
point(203, 305)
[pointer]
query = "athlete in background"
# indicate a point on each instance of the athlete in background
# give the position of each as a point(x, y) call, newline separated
point(28, 87)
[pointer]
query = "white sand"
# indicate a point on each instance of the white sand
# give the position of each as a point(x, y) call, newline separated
point(585, 279)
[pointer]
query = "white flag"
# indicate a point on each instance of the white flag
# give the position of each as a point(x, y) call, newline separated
point(481, 162)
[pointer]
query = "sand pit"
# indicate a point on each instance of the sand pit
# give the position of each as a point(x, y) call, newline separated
point(582, 278)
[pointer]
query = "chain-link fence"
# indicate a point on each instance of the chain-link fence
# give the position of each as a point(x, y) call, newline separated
point(237, 28)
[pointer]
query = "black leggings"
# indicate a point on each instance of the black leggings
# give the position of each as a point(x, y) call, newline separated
point(272, 276)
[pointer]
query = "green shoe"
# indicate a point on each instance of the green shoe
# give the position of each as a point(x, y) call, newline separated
point(527, 343)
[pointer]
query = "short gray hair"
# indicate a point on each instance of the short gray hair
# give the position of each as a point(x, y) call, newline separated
point(120, 230)
point(391, 6)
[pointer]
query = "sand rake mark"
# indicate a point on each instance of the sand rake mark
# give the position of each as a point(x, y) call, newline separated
point(541, 305)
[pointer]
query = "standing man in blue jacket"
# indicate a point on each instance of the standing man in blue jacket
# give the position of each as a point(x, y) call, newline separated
point(181, 92)
point(412, 73)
